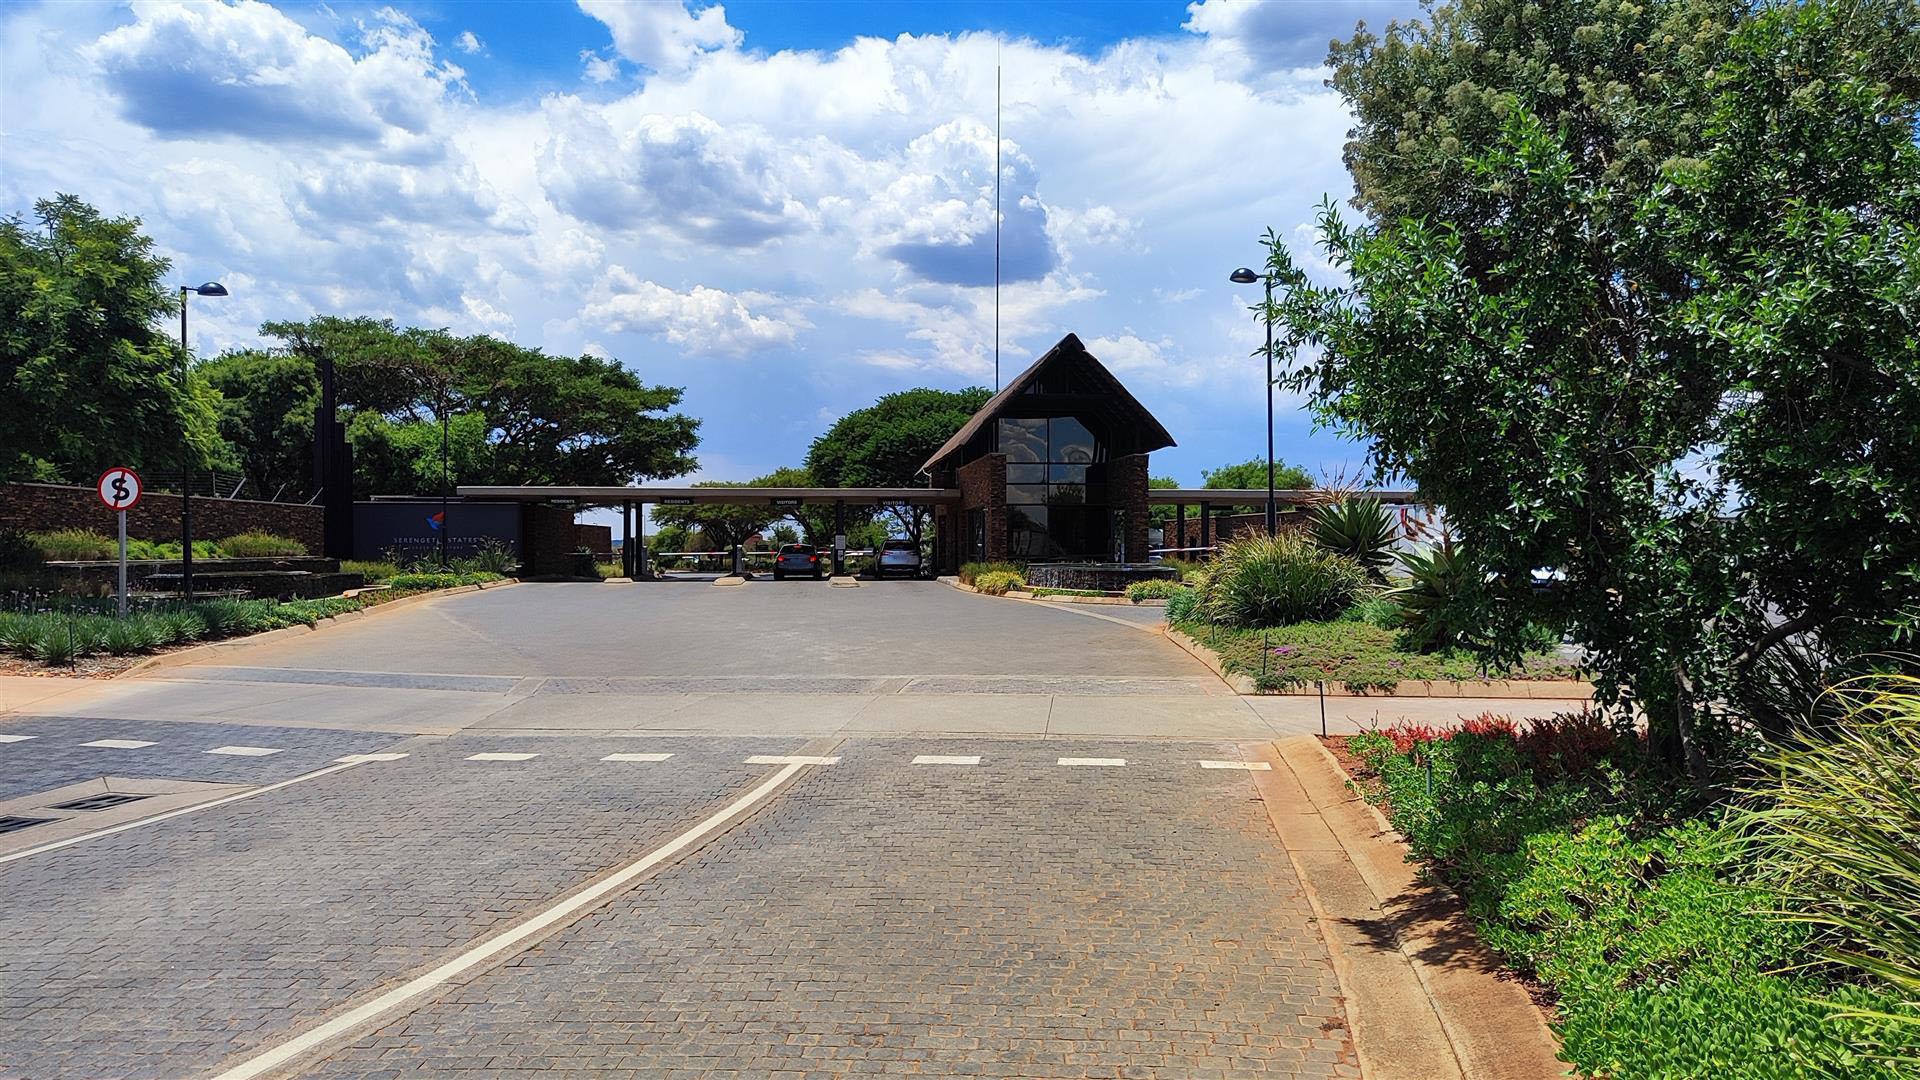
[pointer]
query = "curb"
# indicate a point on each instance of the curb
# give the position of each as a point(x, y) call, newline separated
point(198, 653)
point(1490, 1023)
point(1021, 594)
point(1522, 689)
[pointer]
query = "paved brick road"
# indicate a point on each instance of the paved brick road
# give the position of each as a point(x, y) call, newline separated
point(1014, 918)
point(164, 950)
point(55, 754)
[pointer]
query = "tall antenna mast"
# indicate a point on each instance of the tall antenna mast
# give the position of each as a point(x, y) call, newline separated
point(996, 228)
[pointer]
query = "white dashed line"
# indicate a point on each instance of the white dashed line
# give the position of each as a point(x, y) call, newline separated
point(501, 757)
point(584, 900)
point(1255, 766)
point(16, 738)
point(636, 757)
point(777, 759)
point(1109, 762)
point(244, 751)
point(117, 744)
point(947, 759)
point(355, 759)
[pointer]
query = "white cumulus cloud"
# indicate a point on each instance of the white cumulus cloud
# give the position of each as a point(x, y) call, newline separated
point(702, 320)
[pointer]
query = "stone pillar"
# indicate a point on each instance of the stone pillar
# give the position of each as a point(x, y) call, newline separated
point(1127, 487)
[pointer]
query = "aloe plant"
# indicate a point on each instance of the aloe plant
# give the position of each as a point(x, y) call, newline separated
point(1429, 611)
point(1361, 529)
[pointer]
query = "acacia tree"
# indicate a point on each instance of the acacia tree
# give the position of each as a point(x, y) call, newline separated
point(721, 524)
point(884, 445)
point(1635, 299)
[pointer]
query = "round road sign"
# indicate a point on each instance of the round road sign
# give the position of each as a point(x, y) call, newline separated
point(119, 488)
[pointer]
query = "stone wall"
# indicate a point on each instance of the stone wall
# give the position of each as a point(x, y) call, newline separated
point(983, 486)
point(595, 538)
point(546, 537)
point(1227, 526)
point(46, 507)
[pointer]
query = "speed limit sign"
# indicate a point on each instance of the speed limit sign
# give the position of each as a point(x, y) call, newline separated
point(119, 488)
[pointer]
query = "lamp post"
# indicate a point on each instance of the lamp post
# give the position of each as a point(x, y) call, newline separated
point(211, 288)
point(1244, 276)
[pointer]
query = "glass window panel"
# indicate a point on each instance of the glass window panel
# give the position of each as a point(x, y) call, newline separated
point(1072, 442)
point(1026, 494)
point(1027, 535)
point(1067, 494)
point(1023, 440)
point(1066, 474)
point(1026, 474)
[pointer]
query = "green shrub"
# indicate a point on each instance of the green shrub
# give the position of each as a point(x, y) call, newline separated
point(182, 626)
point(493, 557)
point(55, 644)
point(19, 632)
point(373, 570)
point(1377, 609)
point(1274, 580)
point(1838, 832)
point(1186, 568)
point(137, 633)
point(998, 582)
point(1154, 589)
point(415, 582)
point(75, 544)
point(969, 572)
point(1361, 529)
point(1042, 591)
point(260, 545)
point(1183, 605)
point(1430, 608)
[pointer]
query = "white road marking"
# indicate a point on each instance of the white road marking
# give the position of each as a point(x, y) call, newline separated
point(355, 759)
point(501, 757)
point(1255, 766)
point(118, 744)
point(584, 900)
point(636, 757)
point(244, 751)
point(947, 759)
point(16, 738)
point(779, 759)
point(194, 809)
point(1108, 762)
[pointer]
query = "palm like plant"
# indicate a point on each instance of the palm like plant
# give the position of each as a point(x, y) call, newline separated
point(1429, 611)
point(1360, 529)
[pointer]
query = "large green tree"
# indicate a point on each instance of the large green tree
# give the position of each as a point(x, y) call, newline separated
point(721, 524)
point(267, 404)
point(884, 445)
point(815, 521)
point(1635, 299)
point(89, 377)
point(516, 415)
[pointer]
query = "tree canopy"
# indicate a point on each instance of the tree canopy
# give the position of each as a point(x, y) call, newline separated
point(1634, 299)
point(884, 444)
point(87, 376)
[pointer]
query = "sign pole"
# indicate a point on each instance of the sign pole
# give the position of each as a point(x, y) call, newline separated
point(122, 515)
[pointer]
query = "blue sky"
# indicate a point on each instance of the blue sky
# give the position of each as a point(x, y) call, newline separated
point(783, 207)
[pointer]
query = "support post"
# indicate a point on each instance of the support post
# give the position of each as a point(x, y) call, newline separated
point(626, 540)
point(1206, 525)
point(640, 570)
point(739, 563)
point(1179, 528)
point(839, 537)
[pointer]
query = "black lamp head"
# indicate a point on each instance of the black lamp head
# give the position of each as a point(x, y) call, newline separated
point(1243, 276)
point(212, 288)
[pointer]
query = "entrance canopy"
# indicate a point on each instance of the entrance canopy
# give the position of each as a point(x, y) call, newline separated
point(697, 496)
point(1258, 496)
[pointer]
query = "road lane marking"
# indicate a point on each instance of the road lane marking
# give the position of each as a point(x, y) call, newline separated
point(244, 751)
point(16, 738)
point(501, 757)
point(947, 759)
point(355, 759)
point(636, 757)
point(1105, 762)
point(789, 759)
point(584, 900)
point(1252, 766)
point(194, 809)
point(118, 744)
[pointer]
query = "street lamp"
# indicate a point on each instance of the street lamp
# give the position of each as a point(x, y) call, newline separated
point(211, 288)
point(1244, 276)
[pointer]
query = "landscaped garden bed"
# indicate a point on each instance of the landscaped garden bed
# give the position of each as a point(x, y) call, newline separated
point(1655, 915)
point(1353, 655)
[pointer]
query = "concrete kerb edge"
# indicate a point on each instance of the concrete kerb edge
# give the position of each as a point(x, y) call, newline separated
point(1559, 689)
point(198, 653)
point(1021, 594)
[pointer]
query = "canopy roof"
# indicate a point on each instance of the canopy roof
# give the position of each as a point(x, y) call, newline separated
point(1072, 382)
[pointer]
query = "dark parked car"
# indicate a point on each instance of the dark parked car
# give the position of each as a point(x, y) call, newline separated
point(797, 559)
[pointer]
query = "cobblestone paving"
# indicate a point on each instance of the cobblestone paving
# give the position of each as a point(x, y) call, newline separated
point(163, 951)
point(55, 755)
point(1015, 918)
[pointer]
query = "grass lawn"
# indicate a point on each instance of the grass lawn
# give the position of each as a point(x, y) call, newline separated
point(1357, 655)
